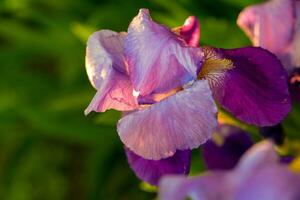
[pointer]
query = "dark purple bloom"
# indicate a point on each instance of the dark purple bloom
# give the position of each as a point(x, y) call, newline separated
point(229, 143)
point(152, 170)
point(166, 84)
point(258, 176)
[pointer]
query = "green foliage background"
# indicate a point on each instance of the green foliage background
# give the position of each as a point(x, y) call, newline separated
point(48, 149)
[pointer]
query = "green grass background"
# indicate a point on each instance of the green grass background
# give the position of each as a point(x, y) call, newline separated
point(48, 149)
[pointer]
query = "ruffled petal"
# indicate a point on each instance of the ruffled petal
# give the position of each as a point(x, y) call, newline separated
point(182, 121)
point(152, 170)
point(114, 93)
point(271, 25)
point(229, 143)
point(105, 66)
point(254, 88)
point(158, 59)
point(190, 31)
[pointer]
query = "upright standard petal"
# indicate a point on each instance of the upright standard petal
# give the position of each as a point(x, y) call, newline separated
point(105, 66)
point(226, 147)
point(271, 25)
point(254, 88)
point(190, 31)
point(158, 59)
point(181, 121)
point(152, 170)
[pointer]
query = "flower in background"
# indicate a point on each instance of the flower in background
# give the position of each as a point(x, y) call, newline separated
point(258, 176)
point(166, 86)
point(227, 145)
point(275, 25)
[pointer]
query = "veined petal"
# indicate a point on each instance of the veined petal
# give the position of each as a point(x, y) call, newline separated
point(152, 170)
point(114, 93)
point(182, 121)
point(105, 66)
point(190, 31)
point(158, 59)
point(254, 86)
point(104, 53)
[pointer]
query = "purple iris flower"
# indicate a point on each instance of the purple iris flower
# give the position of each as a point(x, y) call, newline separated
point(226, 147)
point(275, 25)
point(166, 86)
point(258, 176)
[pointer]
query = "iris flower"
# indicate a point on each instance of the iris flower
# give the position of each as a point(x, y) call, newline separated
point(167, 86)
point(258, 176)
point(275, 25)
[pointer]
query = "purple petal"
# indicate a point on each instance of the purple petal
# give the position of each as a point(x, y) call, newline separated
point(260, 155)
point(258, 176)
point(190, 31)
point(270, 183)
point(227, 154)
point(158, 59)
point(206, 187)
point(115, 93)
point(255, 90)
point(106, 69)
point(271, 25)
point(152, 170)
point(182, 121)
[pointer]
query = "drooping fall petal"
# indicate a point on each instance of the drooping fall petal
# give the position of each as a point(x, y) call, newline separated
point(158, 59)
point(152, 170)
point(181, 121)
point(252, 84)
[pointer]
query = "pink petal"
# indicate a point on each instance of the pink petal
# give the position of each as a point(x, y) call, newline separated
point(182, 121)
point(190, 31)
point(271, 25)
point(115, 93)
point(158, 59)
point(105, 65)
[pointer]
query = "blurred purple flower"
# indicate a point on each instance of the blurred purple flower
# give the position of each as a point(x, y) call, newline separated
point(275, 25)
point(165, 85)
point(258, 176)
point(226, 147)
